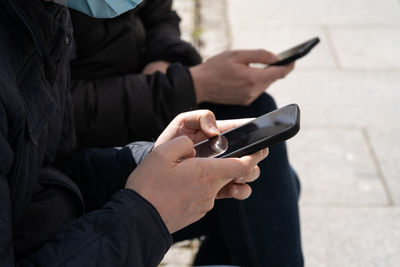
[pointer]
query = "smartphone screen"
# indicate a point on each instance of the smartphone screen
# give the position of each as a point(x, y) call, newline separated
point(271, 128)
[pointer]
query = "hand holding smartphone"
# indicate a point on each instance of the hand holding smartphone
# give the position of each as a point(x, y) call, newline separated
point(292, 54)
point(269, 129)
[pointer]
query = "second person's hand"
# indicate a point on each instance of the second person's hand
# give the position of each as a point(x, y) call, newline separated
point(227, 78)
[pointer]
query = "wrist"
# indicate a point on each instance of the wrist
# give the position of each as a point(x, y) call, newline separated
point(198, 77)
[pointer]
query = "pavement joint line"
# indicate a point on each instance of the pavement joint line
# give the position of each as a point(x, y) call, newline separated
point(347, 127)
point(378, 166)
point(350, 70)
point(371, 151)
point(370, 206)
point(228, 26)
point(332, 47)
point(197, 23)
point(377, 69)
point(316, 24)
point(353, 26)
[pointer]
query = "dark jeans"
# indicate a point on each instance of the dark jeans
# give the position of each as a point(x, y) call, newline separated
point(263, 230)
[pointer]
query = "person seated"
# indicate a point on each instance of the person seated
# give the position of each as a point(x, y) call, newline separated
point(94, 207)
point(133, 74)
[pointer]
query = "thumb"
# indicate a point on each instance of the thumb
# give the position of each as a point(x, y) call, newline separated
point(177, 149)
point(208, 124)
point(256, 56)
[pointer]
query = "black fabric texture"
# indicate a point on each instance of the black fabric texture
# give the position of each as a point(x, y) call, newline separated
point(55, 207)
point(107, 87)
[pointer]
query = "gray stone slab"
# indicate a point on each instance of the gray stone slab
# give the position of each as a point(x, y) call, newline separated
point(278, 39)
point(368, 101)
point(335, 167)
point(314, 11)
point(337, 98)
point(386, 143)
point(351, 237)
point(367, 47)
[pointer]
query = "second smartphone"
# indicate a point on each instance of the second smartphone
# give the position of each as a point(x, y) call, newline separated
point(296, 52)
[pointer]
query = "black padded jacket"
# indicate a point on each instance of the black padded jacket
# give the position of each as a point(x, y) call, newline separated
point(59, 207)
point(115, 104)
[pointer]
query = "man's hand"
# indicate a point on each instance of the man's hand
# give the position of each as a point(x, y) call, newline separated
point(155, 66)
point(184, 191)
point(227, 78)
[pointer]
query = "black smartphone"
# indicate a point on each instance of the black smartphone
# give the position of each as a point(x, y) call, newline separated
point(296, 52)
point(269, 129)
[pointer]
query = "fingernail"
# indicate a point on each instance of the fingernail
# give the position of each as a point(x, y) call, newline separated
point(214, 130)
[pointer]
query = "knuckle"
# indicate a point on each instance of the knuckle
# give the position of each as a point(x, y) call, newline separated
point(282, 74)
point(252, 81)
point(201, 173)
point(257, 171)
point(159, 155)
point(261, 51)
point(186, 139)
point(265, 152)
point(247, 171)
point(233, 53)
point(209, 205)
point(261, 154)
point(209, 114)
point(180, 116)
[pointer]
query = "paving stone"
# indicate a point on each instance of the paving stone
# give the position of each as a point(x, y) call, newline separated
point(351, 237)
point(334, 166)
point(342, 98)
point(354, 100)
point(251, 12)
point(386, 143)
point(367, 47)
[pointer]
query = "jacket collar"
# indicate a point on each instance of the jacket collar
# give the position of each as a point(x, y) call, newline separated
point(38, 17)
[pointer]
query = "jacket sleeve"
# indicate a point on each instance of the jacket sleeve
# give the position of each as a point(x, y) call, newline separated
point(126, 231)
point(99, 173)
point(163, 41)
point(117, 110)
point(6, 160)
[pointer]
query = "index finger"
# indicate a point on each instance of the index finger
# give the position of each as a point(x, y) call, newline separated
point(225, 125)
point(255, 56)
point(201, 120)
point(272, 73)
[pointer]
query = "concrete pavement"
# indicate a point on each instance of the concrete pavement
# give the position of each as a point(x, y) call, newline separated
point(347, 153)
